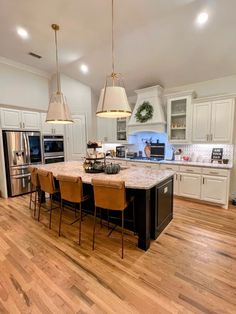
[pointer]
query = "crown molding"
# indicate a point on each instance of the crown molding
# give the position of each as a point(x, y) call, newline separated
point(24, 67)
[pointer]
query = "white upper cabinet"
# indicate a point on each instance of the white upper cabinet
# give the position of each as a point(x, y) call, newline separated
point(13, 119)
point(213, 121)
point(179, 117)
point(106, 130)
point(51, 129)
point(222, 121)
point(201, 122)
point(31, 120)
point(10, 119)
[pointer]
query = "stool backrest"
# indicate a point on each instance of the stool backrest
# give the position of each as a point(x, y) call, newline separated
point(34, 179)
point(46, 181)
point(71, 188)
point(109, 194)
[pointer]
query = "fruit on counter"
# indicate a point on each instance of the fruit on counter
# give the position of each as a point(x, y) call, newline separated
point(112, 168)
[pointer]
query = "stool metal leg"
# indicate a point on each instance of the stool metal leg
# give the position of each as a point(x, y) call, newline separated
point(80, 221)
point(94, 226)
point(134, 226)
point(50, 219)
point(40, 202)
point(35, 201)
point(59, 232)
point(122, 235)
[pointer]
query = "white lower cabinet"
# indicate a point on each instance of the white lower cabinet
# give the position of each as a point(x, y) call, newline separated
point(190, 185)
point(214, 189)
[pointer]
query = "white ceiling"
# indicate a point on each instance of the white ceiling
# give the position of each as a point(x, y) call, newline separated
point(157, 41)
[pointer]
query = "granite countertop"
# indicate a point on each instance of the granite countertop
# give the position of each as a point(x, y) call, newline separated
point(135, 178)
point(178, 163)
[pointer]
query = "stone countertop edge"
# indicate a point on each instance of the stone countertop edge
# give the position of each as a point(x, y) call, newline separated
point(178, 163)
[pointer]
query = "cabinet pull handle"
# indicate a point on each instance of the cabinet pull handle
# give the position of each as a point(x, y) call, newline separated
point(176, 177)
point(203, 180)
point(213, 172)
point(20, 125)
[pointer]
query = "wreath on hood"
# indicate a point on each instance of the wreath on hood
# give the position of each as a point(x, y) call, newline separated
point(144, 112)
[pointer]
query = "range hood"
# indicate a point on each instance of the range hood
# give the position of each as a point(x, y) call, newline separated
point(153, 95)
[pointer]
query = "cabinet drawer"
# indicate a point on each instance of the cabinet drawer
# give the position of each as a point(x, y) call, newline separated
point(215, 172)
point(190, 169)
point(169, 167)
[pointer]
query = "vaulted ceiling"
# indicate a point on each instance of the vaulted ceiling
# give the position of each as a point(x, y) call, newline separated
point(156, 41)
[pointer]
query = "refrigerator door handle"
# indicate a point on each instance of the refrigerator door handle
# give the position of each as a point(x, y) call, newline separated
point(26, 144)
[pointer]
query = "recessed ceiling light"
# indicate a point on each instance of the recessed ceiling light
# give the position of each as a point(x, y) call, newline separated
point(22, 33)
point(202, 18)
point(84, 68)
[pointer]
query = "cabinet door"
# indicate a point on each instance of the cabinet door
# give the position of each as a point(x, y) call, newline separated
point(176, 184)
point(214, 189)
point(222, 121)
point(201, 122)
point(30, 120)
point(76, 138)
point(190, 185)
point(10, 119)
point(47, 128)
point(106, 130)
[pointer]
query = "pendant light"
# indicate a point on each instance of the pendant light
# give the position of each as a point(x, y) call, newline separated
point(58, 110)
point(113, 102)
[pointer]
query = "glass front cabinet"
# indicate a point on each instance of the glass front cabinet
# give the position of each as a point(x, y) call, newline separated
point(121, 133)
point(179, 117)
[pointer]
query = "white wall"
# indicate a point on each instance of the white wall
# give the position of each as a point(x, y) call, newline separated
point(22, 88)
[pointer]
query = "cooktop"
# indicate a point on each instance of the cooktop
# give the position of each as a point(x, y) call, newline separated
point(146, 158)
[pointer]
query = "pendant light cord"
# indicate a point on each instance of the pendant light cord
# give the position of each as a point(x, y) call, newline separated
point(57, 66)
point(112, 41)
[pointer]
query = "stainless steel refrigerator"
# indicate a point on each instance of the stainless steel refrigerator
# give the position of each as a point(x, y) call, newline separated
point(21, 149)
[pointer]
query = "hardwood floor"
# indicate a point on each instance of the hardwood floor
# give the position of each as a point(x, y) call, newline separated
point(190, 268)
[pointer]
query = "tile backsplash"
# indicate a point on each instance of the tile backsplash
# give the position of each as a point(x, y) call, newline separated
point(199, 151)
point(205, 150)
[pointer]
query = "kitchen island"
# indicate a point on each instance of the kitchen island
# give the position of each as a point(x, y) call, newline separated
point(152, 190)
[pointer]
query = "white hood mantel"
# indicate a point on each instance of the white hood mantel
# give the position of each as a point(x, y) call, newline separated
point(154, 95)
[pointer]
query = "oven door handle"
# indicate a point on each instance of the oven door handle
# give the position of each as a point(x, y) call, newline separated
point(53, 157)
point(53, 139)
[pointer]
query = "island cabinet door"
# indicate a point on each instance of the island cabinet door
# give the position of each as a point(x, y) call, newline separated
point(162, 214)
point(190, 185)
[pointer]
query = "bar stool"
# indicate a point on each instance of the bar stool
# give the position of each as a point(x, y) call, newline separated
point(111, 195)
point(34, 188)
point(71, 189)
point(47, 185)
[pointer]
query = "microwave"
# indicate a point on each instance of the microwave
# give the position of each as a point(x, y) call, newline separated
point(53, 145)
point(158, 150)
point(120, 151)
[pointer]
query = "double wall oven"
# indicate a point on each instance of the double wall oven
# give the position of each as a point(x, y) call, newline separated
point(53, 148)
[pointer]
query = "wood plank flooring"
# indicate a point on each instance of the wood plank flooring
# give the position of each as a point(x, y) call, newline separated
point(190, 268)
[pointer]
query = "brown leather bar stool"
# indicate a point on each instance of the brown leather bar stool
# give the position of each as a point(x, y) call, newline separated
point(46, 182)
point(34, 188)
point(110, 195)
point(71, 189)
